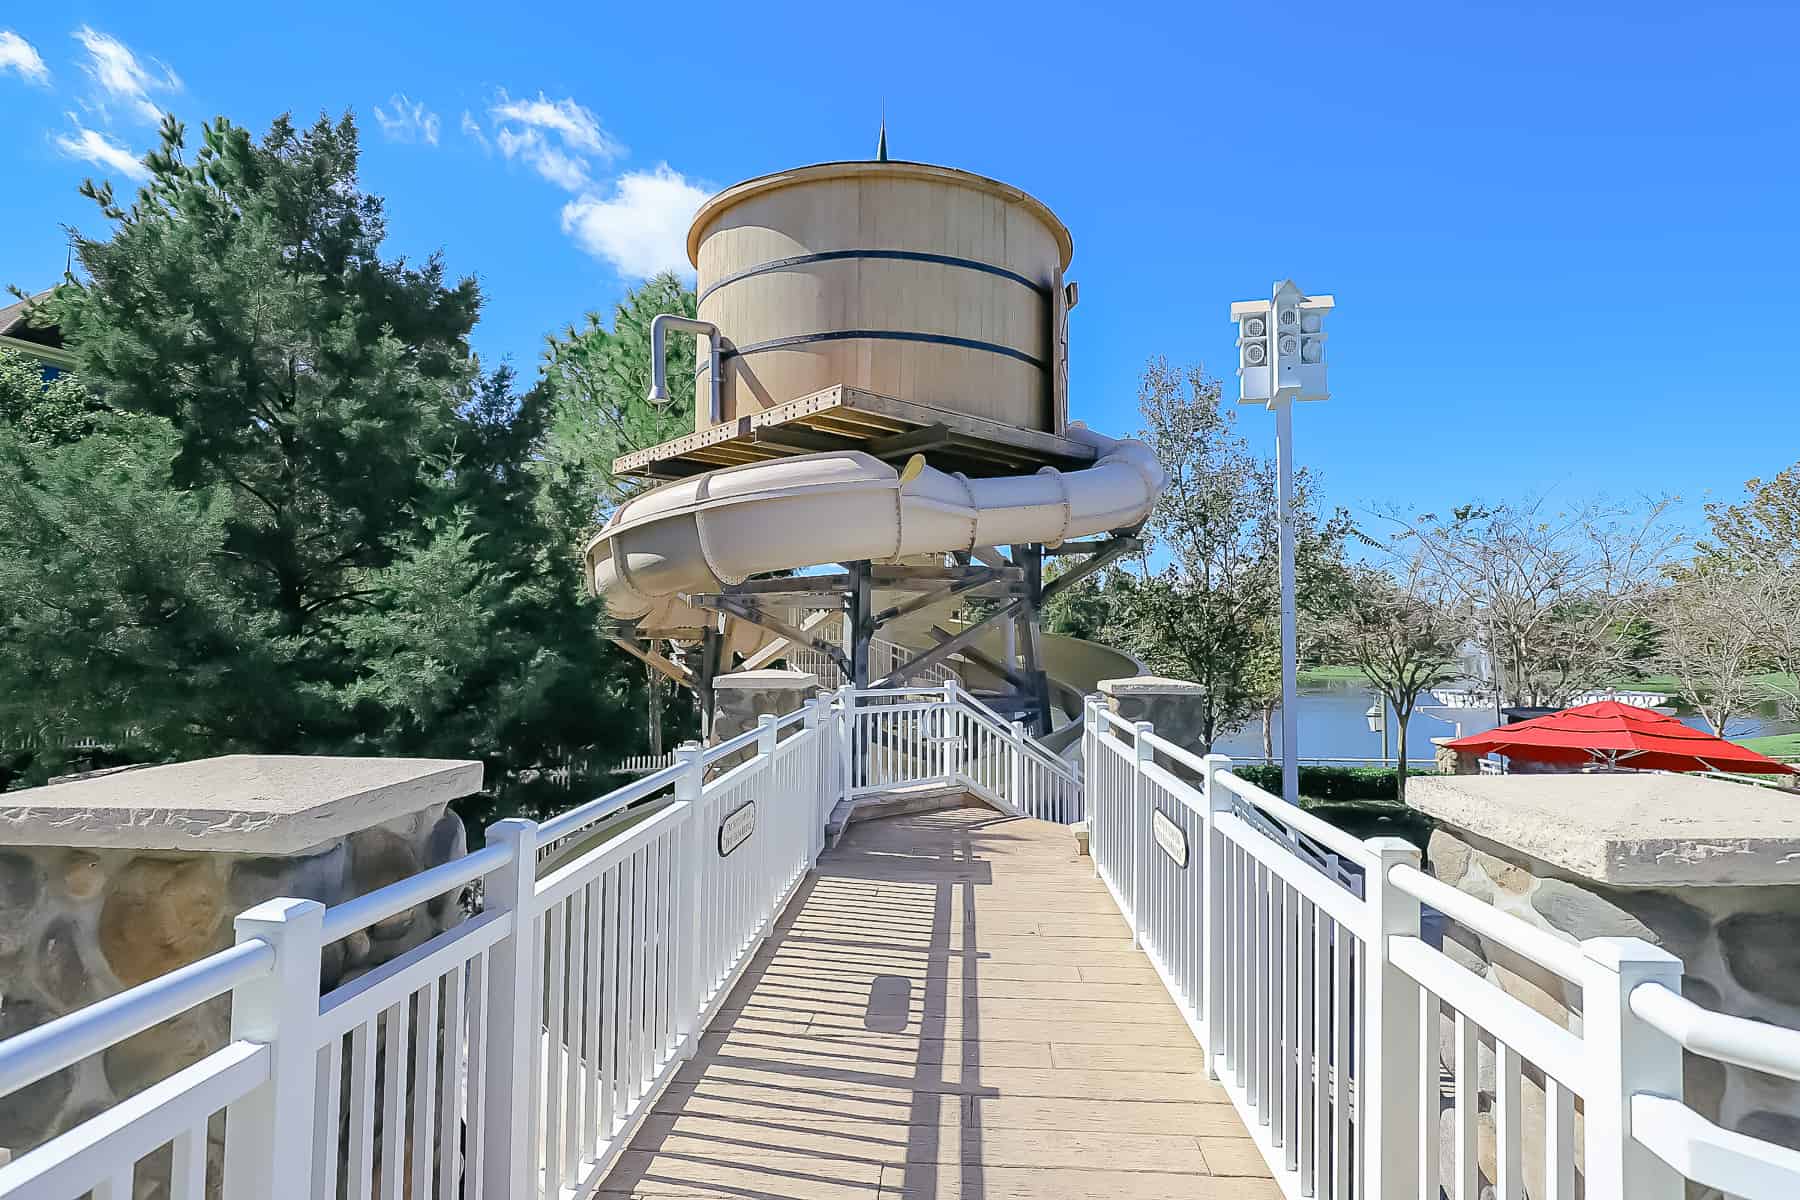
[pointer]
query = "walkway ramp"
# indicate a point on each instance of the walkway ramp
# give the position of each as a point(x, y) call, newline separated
point(950, 1008)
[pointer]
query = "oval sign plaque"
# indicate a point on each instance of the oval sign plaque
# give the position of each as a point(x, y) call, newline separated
point(737, 827)
point(1170, 837)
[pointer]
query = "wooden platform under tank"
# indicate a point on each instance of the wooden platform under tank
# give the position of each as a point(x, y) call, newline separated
point(847, 418)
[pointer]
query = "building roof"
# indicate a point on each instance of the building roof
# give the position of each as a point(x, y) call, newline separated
point(13, 324)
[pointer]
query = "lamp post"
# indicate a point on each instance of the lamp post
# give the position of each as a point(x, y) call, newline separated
point(1281, 359)
point(1377, 716)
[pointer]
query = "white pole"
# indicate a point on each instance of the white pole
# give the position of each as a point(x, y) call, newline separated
point(1290, 717)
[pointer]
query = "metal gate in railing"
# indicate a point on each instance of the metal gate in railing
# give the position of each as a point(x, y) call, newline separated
point(899, 738)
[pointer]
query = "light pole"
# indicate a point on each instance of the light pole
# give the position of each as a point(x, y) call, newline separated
point(1377, 716)
point(1281, 359)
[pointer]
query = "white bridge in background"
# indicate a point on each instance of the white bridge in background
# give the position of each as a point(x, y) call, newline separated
point(1476, 698)
point(537, 1034)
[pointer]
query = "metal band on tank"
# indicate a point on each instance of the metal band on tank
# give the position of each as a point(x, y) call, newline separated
point(942, 260)
point(889, 335)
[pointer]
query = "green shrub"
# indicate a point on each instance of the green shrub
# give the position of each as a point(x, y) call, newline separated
point(1329, 785)
point(1358, 800)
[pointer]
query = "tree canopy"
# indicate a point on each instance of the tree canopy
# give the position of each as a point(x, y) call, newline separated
point(292, 512)
point(1212, 614)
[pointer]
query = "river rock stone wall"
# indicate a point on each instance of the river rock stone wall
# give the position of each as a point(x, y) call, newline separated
point(743, 698)
point(78, 925)
point(1740, 947)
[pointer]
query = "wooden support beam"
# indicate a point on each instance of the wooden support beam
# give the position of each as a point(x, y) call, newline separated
point(1089, 547)
point(667, 666)
point(1117, 548)
point(1026, 625)
point(894, 574)
point(745, 609)
point(913, 441)
point(936, 595)
point(799, 437)
point(860, 600)
point(703, 683)
point(943, 650)
point(836, 582)
point(982, 659)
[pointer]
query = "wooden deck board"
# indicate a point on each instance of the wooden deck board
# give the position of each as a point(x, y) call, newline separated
point(858, 420)
point(949, 1009)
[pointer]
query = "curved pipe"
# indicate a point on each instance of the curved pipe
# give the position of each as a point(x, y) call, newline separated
point(700, 534)
point(659, 367)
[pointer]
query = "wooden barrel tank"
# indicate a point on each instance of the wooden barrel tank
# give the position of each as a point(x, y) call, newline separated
point(920, 282)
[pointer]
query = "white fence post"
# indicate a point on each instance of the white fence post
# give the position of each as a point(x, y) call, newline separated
point(847, 713)
point(1088, 756)
point(1140, 823)
point(1015, 766)
point(690, 988)
point(1627, 1056)
point(269, 1133)
point(513, 1020)
point(1387, 1082)
point(1213, 963)
point(817, 722)
point(947, 731)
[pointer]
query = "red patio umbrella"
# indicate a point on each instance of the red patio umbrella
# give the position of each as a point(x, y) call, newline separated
point(1619, 735)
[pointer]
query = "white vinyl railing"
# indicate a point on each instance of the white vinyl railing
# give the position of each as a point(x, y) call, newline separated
point(901, 737)
point(511, 1056)
point(1295, 953)
point(884, 658)
point(514, 1055)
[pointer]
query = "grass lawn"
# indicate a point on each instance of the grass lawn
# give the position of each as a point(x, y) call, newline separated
point(1668, 683)
point(1338, 674)
point(1775, 745)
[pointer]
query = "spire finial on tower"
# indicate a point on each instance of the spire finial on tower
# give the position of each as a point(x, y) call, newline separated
point(881, 144)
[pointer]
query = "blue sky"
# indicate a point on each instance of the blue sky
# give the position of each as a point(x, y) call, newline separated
point(1562, 237)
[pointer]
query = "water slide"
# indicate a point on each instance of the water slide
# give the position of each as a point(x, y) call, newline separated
point(701, 534)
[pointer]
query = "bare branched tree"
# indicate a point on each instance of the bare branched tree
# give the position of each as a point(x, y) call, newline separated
point(1403, 629)
point(1557, 597)
point(1712, 639)
point(1774, 603)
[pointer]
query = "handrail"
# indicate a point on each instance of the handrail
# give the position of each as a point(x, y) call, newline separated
point(563, 824)
point(980, 706)
point(730, 746)
point(1735, 1163)
point(1185, 757)
point(1114, 718)
point(1545, 949)
point(345, 919)
point(1297, 819)
point(1002, 726)
point(1740, 1041)
point(48, 1048)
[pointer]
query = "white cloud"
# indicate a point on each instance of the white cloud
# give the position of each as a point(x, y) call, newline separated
point(17, 54)
point(566, 171)
point(119, 74)
point(407, 120)
point(577, 126)
point(100, 149)
point(472, 128)
point(642, 227)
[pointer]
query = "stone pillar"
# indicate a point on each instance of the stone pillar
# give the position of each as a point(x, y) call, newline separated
point(108, 881)
point(1454, 762)
point(1171, 705)
point(741, 697)
point(1701, 867)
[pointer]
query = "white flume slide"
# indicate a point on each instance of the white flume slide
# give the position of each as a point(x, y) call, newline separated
point(720, 528)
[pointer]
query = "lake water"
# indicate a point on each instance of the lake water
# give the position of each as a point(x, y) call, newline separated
point(1332, 725)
